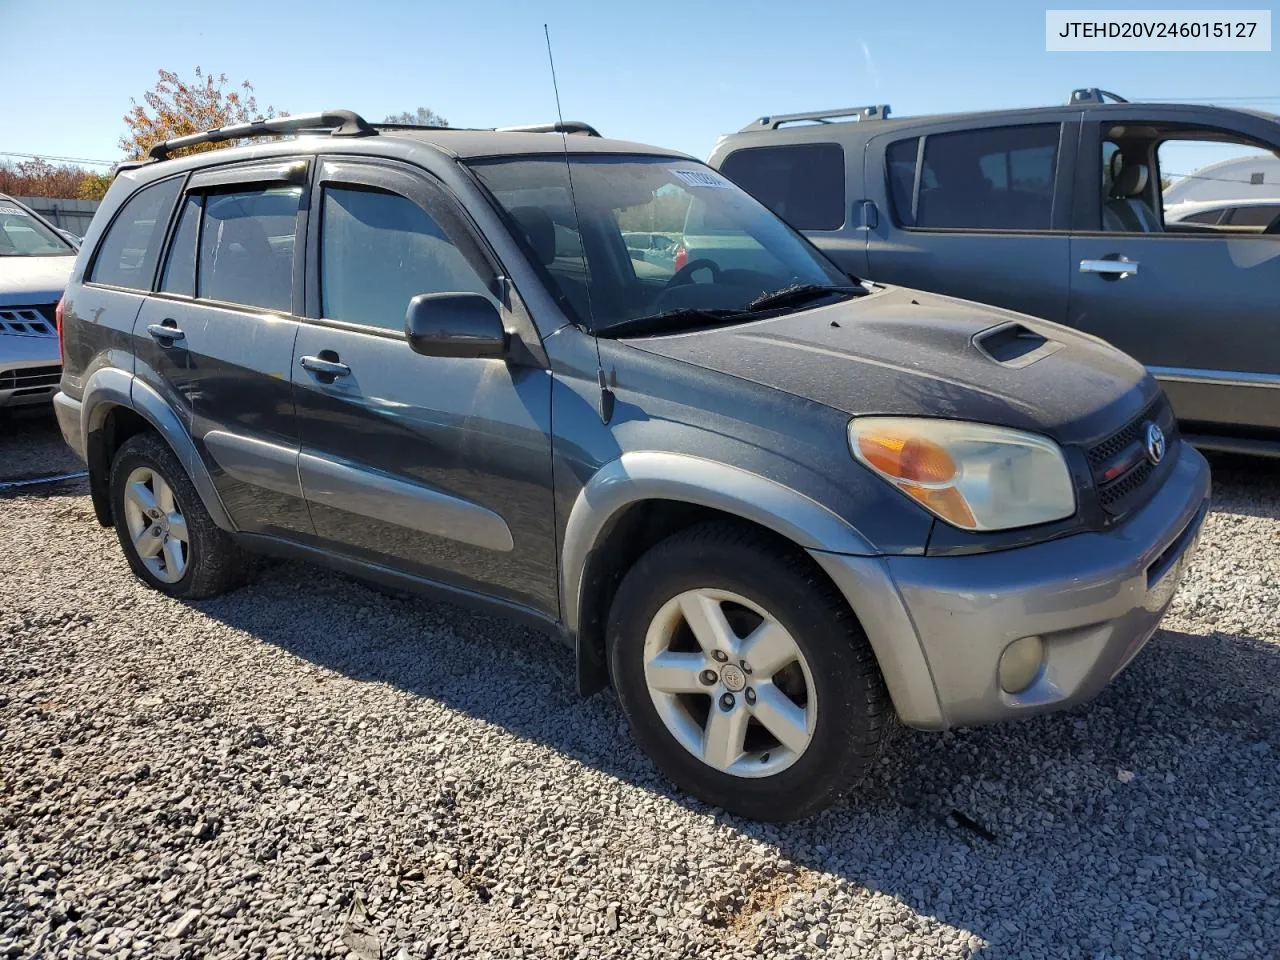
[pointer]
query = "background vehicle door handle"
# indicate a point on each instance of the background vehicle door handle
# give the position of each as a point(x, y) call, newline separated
point(324, 367)
point(1111, 268)
point(166, 332)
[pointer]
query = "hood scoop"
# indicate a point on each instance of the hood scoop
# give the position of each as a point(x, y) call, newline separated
point(1014, 345)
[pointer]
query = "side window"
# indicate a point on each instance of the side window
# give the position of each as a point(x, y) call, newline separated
point(803, 183)
point(1204, 216)
point(994, 179)
point(379, 250)
point(180, 269)
point(1255, 215)
point(246, 247)
point(128, 253)
point(900, 160)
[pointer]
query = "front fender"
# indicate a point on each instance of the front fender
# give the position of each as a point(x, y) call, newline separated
point(111, 387)
point(654, 475)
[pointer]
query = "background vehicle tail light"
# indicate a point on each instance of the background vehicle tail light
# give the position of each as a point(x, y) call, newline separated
point(57, 319)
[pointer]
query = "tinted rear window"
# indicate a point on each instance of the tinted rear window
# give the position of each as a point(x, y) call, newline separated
point(127, 255)
point(802, 183)
point(246, 247)
point(994, 179)
point(1259, 215)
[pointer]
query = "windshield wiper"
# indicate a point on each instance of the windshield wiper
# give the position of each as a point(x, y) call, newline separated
point(668, 321)
point(797, 294)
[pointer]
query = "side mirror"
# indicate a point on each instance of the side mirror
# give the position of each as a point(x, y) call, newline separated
point(454, 325)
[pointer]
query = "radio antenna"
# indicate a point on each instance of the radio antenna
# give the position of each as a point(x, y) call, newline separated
point(606, 395)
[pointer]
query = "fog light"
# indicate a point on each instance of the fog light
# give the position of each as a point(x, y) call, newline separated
point(1020, 664)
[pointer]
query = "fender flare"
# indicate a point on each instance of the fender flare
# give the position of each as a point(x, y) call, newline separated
point(654, 475)
point(111, 386)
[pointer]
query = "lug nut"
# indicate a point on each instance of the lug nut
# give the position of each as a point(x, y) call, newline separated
point(746, 667)
point(156, 531)
point(726, 702)
point(720, 656)
point(751, 695)
point(708, 677)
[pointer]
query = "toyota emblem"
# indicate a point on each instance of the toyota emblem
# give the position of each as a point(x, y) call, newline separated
point(1155, 443)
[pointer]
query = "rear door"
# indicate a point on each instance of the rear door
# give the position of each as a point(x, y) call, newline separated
point(117, 281)
point(439, 467)
point(1196, 302)
point(221, 330)
point(977, 212)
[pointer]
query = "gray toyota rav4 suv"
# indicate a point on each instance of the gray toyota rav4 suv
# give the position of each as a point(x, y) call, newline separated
point(773, 506)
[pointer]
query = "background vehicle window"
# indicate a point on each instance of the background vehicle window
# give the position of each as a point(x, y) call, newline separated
point(996, 179)
point(802, 183)
point(22, 235)
point(378, 251)
point(1204, 216)
point(1255, 215)
point(180, 270)
point(128, 254)
point(900, 158)
point(246, 247)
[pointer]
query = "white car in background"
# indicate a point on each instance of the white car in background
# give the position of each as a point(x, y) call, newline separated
point(1245, 214)
point(35, 262)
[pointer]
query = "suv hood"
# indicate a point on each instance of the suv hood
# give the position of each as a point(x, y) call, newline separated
point(30, 281)
point(906, 353)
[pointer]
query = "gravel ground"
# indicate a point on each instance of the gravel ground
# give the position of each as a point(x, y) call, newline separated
point(311, 768)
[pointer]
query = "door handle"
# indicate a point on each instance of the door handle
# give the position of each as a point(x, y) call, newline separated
point(1110, 268)
point(166, 333)
point(323, 367)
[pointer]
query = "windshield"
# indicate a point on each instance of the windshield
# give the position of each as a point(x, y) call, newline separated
point(22, 235)
point(651, 237)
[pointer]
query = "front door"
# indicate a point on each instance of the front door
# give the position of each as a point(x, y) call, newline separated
point(1197, 303)
point(438, 467)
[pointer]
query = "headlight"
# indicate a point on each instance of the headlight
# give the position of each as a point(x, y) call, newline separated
point(972, 475)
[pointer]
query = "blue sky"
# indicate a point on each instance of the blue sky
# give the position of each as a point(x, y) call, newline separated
point(670, 73)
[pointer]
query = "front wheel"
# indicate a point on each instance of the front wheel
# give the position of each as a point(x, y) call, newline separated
point(744, 675)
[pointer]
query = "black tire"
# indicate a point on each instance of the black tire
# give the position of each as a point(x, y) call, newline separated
point(853, 711)
point(215, 563)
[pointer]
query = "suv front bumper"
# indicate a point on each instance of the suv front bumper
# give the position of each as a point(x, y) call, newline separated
point(939, 625)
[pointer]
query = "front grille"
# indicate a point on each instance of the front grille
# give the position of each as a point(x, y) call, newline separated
point(37, 321)
point(31, 380)
point(1121, 469)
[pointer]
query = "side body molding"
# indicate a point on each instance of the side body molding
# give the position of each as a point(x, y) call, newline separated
point(654, 475)
point(110, 387)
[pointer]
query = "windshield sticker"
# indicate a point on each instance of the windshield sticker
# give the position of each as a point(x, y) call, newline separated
point(12, 211)
point(701, 178)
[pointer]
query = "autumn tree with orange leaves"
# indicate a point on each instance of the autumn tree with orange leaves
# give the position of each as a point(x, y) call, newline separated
point(175, 107)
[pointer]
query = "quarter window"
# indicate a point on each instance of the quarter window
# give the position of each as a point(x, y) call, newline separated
point(378, 251)
point(802, 183)
point(994, 179)
point(128, 253)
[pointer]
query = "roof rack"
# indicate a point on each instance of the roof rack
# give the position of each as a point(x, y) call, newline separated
point(875, 111)
point(338, 123)
point(564, 126)
point(1094, 95)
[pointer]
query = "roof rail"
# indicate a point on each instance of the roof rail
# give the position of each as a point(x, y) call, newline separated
point(875, 111)
point(339, 123)
point(1094, 95)
point(564, 126)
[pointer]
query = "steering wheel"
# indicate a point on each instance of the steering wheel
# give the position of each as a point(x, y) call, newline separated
point(685, 274)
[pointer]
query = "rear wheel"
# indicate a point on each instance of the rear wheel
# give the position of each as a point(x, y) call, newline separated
point(168, 537)
point(744, 675)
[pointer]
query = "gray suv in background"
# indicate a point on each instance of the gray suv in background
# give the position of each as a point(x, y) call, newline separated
point(1060, 213)
point(771, 506)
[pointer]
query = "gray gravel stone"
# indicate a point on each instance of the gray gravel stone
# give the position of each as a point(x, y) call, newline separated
point(264, 762)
